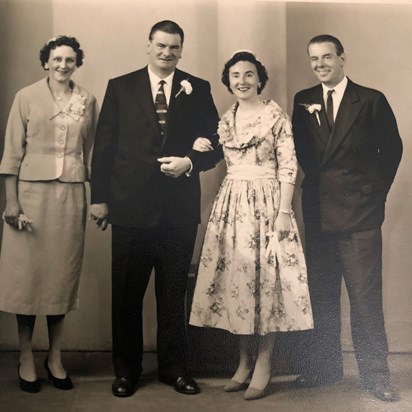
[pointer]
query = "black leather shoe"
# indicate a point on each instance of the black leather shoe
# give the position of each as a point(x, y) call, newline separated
point(64, 384)
point(28, 386)
point(305, 382)
point(182, 384)
point(124, 387)
point(382, 390)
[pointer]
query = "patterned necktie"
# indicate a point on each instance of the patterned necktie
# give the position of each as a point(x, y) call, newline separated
point(161, 107)
point(329, 109)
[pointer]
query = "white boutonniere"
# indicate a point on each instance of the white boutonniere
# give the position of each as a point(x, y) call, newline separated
point(313, 108)
point(78, 105)
point(186, 87)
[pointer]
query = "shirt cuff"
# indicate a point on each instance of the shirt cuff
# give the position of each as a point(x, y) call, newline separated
point(188, 173)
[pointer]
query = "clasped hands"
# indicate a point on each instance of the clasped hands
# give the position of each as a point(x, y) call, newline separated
point(174, 166)
point(171, 166)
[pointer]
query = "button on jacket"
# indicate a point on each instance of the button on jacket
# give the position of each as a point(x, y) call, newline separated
point(44, 142)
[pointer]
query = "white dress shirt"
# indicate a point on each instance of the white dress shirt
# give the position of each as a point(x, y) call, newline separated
point(167, 87)
point(337, 96)
point(154, 84)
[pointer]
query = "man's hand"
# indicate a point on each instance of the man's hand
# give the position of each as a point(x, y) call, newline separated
point(99, 213)
point(173, 166)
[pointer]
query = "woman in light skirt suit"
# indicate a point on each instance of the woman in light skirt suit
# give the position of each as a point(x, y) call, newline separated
point(48, 144)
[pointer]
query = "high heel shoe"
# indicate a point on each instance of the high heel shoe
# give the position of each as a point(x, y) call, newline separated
point(234, 386)
point(253, 393)
point(28, 386)
point(64, 384)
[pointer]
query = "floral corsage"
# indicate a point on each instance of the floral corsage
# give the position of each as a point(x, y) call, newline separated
point(313, 108)
point(78, 105)
point(186, 87)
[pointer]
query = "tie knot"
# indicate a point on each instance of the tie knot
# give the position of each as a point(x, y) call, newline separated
point(330, 92)
point(161, 84)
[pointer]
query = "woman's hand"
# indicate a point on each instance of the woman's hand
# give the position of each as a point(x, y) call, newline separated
point(14, 216)
point(202, 144)
point(11, 213)
point(283, 225)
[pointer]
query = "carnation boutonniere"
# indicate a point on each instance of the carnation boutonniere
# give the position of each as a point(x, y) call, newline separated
point(313, 108)
point(77, 105)
point(186, 87)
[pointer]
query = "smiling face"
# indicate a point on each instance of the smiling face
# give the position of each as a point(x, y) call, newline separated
point(326, 64)
point(164, 52)
point(61, 63)
point(244, 80)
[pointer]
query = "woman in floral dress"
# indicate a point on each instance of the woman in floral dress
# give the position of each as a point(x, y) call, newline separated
point(252, 275)
point(48, 143)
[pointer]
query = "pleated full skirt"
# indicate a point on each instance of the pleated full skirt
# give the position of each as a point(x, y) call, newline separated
point(248, 284)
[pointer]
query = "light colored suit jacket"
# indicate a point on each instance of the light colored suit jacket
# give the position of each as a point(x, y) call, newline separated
point(44, 142)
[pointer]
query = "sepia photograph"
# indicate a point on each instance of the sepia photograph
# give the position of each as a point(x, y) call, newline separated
point(205, 205)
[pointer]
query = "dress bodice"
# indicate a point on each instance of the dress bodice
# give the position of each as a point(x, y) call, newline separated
point(265, 141)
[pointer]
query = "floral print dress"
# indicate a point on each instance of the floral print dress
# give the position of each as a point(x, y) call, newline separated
point(248, 281)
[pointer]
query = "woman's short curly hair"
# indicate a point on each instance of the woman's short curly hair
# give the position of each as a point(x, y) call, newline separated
point(247, 56)
point(61, 41)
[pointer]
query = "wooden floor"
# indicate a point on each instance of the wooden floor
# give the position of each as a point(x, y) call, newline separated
point(92, 375)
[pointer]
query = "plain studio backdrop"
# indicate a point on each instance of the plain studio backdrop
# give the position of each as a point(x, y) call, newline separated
point(113, 35)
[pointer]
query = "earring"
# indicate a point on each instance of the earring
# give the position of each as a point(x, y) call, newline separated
point(46, 67)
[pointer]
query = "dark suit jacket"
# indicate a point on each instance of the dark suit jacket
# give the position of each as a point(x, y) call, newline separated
point(125, 171)
point(348, 173)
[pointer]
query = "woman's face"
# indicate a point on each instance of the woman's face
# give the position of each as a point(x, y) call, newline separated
point(61, 63)
point(244, 80)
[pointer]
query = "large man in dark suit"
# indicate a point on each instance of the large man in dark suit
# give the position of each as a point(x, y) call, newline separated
point(145, 182)
point(349, 148)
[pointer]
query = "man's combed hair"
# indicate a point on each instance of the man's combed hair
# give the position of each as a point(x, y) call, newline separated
point(327, 38)
point(167, 26)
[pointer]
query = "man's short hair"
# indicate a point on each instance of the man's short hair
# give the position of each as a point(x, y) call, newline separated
point(167, 26)
point(327, 38)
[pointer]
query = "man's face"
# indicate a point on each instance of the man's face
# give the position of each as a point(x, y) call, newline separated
point(326, 64)
point(164, 52)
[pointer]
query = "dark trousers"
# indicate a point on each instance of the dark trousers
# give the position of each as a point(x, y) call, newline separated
point(135, 252)
point(358, 258)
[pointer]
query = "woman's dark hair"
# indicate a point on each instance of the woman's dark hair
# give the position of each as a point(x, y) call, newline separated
point(245, 56)
point(61, 41)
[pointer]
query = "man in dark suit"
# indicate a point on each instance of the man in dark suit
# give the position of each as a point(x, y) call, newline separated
point(349, 148)
point(145, 182)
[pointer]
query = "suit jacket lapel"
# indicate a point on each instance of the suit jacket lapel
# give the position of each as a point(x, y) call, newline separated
point(175, 104)
point(349, 109)
point(145, 99)
point(321, 130)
